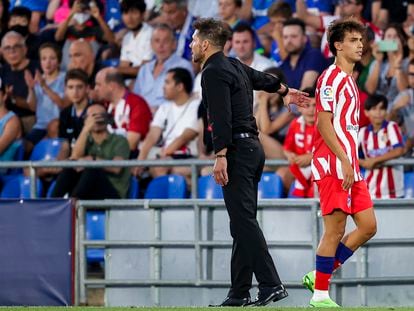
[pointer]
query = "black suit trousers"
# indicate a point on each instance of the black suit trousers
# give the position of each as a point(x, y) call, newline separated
point(250, 254)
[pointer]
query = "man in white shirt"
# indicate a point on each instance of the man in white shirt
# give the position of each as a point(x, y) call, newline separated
point(243, 44)
point(136, 44)
point(175, 125)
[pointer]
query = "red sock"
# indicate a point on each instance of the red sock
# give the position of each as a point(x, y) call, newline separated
point(322, 280)
point(337, 264)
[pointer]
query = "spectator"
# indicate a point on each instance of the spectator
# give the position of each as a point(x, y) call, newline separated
point(57, 11)
point(228, 11)
point(175, 124)
point(19, 21)
point(273, 120)
point(361, 70)
point(402, 108)
point(81, 57)
point(243, 44)
point(175, 14)
point(130, 112)
point(45, 96)
point(347, 8)
point(87, 23)
point(96, 143)
point(394, 12)
point(278, 13)
point(298, 148)
point(151, 76)
point(381, 141)
point(303, 64)
point(388, 73)
point(12, 74)
point(136, 42)
point(71, 118)
point(36, 7)
point(10, 131)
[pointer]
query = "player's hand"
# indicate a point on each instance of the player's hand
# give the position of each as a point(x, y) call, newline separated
point(348, 173)
point(296, 97)
point(220, 171)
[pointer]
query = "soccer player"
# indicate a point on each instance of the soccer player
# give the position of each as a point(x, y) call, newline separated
point(381, 141)
point(335, 168)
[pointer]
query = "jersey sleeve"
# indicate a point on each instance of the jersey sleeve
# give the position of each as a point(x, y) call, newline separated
point(326, 98)
point(289, 144)
point(395, 136)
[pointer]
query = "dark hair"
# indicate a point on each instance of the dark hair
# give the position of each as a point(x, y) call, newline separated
point(310, 91)
point(338, 28)
point(295, 22)
point(375, 99)
point(212, 30)
point(238, 3)
point(114, 76)
point(21, 11)
point(401, 35)
point(182, 75)
point(77, 74)
point(54, 47)
point(280, 8)
point(411, 61)
point(127, 5)
point(242, 27)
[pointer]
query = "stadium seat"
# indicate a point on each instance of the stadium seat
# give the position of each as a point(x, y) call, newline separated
point(208, 189)
point(270, 186)
point(46, 149)
point(409, 184)
point(95, 230)
point(133, 191)
point(167, 187)
point(18, 186)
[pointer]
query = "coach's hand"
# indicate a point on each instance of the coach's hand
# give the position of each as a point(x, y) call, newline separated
point(220, 171)
point(348, 173)
point(296, 97)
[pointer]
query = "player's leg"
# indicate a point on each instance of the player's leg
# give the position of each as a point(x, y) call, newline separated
point(334, 229)
point(364, 218)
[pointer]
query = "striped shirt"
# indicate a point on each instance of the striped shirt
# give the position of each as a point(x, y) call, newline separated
point(384, 182)
point(337, 92)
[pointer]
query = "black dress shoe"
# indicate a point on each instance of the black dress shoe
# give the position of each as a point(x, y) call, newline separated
point(269, 294)
point(233, 302)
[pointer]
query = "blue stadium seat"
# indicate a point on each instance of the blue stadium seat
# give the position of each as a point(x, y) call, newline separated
point(167, 187)
point(95, 230)
point(18, 186)
point(208, 189)
point(46, 149)
point(270, 186)
point(133, 191)
point(409, 184)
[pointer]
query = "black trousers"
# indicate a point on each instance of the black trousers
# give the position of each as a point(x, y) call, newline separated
point(250, 253)
point(88, 184)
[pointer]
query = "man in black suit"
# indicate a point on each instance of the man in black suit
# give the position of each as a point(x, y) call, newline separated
point(227, 87)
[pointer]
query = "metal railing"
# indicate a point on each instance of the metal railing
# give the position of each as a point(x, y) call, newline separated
point(204, 280)
point(194, 164)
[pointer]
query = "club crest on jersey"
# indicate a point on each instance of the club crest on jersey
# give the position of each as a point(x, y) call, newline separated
point(327, 93)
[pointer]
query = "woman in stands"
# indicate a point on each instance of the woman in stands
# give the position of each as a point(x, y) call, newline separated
point(46, 92)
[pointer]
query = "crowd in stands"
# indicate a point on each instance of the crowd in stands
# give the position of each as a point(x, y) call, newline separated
point(115, 80)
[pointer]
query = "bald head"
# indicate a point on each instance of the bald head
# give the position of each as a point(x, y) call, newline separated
point(14, 49)
point(109, 83)
point(81, 55)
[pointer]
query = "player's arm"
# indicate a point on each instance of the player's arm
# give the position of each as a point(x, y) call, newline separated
point(326, 129)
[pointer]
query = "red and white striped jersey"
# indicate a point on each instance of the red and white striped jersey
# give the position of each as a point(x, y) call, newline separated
point(337, 92)
point(388, 181)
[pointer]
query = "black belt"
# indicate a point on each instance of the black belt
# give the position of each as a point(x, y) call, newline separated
point(244, 135)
